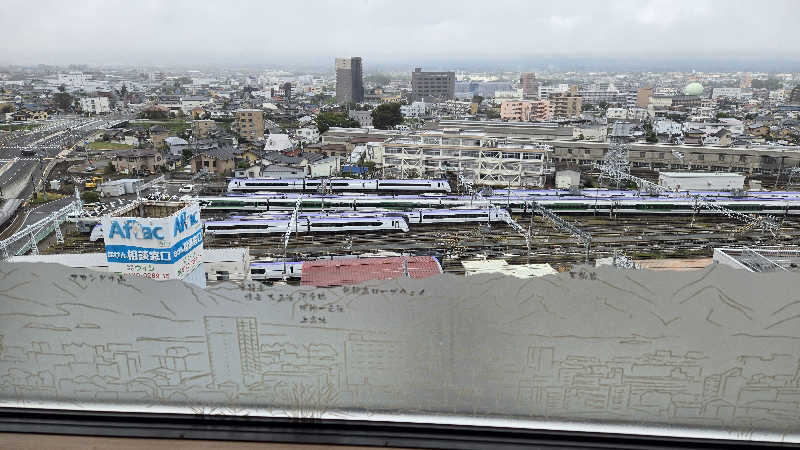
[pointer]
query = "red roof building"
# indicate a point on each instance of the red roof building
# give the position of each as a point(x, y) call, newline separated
point(339, 272)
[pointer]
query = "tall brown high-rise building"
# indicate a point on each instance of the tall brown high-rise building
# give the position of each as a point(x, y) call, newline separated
point(643, 96)
point(349, 81)
point(530, 89)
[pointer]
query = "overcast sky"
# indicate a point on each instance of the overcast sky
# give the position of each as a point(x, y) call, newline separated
point(179, 32)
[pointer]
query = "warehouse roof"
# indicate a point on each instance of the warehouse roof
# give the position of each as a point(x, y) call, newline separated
point(338, 272)
point(502, 266)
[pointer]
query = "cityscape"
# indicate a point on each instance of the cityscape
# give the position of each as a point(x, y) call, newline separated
point(525, 212)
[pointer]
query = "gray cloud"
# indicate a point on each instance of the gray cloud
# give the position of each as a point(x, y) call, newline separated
point(313, 32)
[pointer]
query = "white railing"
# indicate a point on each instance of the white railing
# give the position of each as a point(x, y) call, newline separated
point(35, 232)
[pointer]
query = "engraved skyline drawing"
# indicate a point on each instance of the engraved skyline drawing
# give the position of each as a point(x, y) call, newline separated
point(699, 348)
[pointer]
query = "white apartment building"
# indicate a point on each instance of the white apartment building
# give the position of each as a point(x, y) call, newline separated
point(545, 91)
point(729, 92)
point(308, 135)
point(73, 79)
point(627, 114)
point(415, 109)
point(488, 160)
point(594, 95)
point(666, 126)
point(95, 105)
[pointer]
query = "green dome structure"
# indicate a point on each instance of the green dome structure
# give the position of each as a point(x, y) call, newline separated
point(693, 88)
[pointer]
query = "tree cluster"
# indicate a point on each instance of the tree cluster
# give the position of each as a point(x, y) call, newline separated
point(387, 116)
point(326, 120)
point(62, 99)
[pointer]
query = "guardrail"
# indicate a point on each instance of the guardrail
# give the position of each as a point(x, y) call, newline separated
point(35, 232)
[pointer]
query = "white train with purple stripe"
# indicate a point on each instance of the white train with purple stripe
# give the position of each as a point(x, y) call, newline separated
point(336, 185)
point(306, 225)
point(414, 217)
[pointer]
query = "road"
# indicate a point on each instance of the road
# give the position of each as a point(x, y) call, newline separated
point(41, 144)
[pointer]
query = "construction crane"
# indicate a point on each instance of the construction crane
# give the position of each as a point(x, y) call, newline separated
point(555, 220)
point(292, 222)
point(563, 225)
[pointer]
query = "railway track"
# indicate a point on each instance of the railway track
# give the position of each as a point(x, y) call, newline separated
point(636, 236)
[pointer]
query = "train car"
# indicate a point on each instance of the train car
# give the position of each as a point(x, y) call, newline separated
point(275, 270)
point(432, 186)
point(437, 216)
point(632, 204)
point(336, 185)
point(306, 225)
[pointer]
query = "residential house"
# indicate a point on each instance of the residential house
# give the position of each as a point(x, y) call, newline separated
point(202, 128)
point(694, 137)
point(329, 149)
point(327, 167)
point(198, 113)
point(157, 135)
point(253, 171)
point(308, 135)
point(250, 155)
point(220, 160)
point(282, 171)
point(138, 161)
point(758, 129)
point(176, 145)
point(277, 143)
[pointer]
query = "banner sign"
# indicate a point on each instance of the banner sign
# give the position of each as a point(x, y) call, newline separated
point(160, 248)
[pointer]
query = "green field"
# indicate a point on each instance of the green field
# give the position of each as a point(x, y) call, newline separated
point(101, 145)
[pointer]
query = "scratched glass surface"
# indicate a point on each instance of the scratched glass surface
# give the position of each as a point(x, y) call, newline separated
point(714, 351)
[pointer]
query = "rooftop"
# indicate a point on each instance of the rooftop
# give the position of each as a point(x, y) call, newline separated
point(502, 266)
point(338, 272)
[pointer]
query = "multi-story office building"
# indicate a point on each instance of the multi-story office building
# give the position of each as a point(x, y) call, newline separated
point(249, 124)
point(432, 85)
point(349, 82)
point(489, 160)
point(566, 104)
point(530, 90)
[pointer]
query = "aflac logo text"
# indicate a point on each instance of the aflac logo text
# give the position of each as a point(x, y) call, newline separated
point(180, 222)
point(139, 231)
